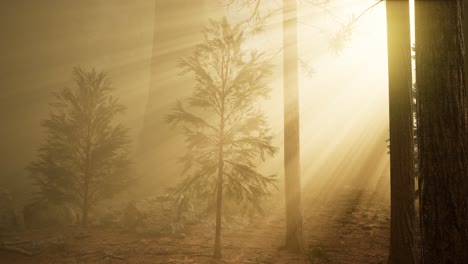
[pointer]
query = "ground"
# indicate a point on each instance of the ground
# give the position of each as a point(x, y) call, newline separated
point(351, 228)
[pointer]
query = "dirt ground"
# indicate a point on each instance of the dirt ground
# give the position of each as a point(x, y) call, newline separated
point(345, 229)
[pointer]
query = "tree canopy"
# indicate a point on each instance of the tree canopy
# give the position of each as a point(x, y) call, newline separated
point(85, 156)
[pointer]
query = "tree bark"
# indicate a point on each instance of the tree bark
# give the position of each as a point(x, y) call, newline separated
point(442, 131)
point(465, 31)
point(402, 183)
point(294, 237)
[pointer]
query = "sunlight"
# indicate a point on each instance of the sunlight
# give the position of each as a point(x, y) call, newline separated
point(344, 105)
point(413, 39)
point(343, 96)
point(411, 3)
point(198, 157)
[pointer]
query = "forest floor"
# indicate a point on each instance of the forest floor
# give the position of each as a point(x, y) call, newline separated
point(345, 229)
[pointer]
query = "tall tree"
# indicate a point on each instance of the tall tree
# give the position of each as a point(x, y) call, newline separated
point(465, 30)
point(224, 127)
point(402, 183)
point(85, 156)
point(442, 131)
point(294, 236)
point(177, 29)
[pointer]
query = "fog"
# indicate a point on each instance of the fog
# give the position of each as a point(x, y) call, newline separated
point(343, 97)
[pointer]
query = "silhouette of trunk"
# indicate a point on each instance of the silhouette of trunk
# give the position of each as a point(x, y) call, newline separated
point(294, 237)
point(402, 182)
point(85, 206)
point(84, 217)
point(177, 29)
point(219, 196)
point(442, 131)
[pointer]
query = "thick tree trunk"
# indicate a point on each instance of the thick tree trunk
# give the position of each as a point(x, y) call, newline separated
point(465, 31)
point(442, 131)
point(402, 183)
point(294, 237)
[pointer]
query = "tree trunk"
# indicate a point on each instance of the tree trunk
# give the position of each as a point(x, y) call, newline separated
point(84, 210)
point(177, 29)
point(294, 237)
point(87, 179)
point(465, 30)
point(402, 226)
point(219, 194)
point(442, 131)
point(219, 207)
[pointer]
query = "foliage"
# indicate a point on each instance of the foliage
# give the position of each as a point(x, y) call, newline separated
point(338, 41)
point(222, 121)
point(85, 154)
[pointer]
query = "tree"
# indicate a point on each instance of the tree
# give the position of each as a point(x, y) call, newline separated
point(465, 30)
point(292, 179)
point(224, 128)
point(172, 38)
point(85, 156)
point(442, 131)
point(294, 223)
point(402, 226)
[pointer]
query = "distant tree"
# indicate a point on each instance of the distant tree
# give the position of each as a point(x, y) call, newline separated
point(294, 240)
point(154, 134)
point(85, 156)
point(292, 165)
point(402, 227)
point(225, 130)
point(442, 97)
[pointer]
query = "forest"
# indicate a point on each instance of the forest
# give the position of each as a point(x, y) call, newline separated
point(233, 131)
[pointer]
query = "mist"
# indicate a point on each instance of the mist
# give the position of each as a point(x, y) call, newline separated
point(206, 131)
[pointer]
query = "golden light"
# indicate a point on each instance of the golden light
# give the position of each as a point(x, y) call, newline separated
point(343, 88)
point(344, 106)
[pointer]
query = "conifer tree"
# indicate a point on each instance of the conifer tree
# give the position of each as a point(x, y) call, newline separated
point(85, 157)
point(225, 129)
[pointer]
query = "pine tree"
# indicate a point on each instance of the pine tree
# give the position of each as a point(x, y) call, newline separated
point(402, 246)
point(294, 225)
point(225, 130)
point(442, 131)
point(85, 156)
